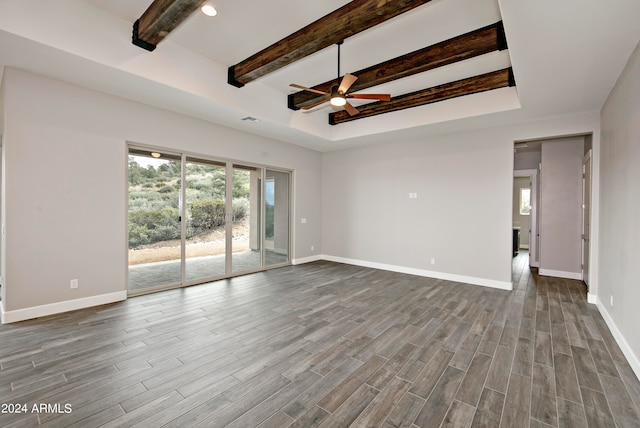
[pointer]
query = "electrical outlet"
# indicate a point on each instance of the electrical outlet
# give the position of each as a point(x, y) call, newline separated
point(433, 260)
point(312, 248)
point(74, 283)
point(611, 301)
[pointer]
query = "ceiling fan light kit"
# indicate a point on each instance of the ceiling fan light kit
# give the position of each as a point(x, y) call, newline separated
point(338, 100)
point(340, 92)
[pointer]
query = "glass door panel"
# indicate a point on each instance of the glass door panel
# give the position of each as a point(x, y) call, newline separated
point(205, 244)
point(246, 246)
point(276, 217)
point(154, 254)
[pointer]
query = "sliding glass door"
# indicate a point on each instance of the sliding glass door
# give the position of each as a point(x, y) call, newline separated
point(276, 217)
point(246, 247)
point(193, 219)
point(205, 234)
point(155, 251)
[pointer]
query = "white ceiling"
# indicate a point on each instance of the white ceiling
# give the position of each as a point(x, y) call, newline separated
point(566, 57)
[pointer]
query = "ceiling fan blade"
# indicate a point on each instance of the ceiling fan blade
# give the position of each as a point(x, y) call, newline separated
point(315, 91)
point(381, 97)
point(309, 107)
point(351, 109)
point(346, 83)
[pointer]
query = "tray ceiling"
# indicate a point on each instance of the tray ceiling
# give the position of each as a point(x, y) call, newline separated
point(562, 62)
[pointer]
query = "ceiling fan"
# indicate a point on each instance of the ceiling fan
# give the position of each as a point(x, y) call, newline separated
point(340, 92)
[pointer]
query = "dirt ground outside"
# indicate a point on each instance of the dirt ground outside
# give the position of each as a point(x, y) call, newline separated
point(210, 244)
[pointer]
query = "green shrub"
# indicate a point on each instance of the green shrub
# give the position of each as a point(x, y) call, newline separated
point(240, 208)
point(207, 213)
point(148, 227)
point(167, 189)
point(147, 219)
point(138, 235)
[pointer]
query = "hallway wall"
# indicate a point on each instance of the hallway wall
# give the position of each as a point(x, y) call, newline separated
point(619, 294)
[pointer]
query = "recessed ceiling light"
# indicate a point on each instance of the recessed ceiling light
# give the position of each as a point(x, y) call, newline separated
point(209, 10)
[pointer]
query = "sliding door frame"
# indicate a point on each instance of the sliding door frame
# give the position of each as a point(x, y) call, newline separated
point(229, 166)
point(176, 156)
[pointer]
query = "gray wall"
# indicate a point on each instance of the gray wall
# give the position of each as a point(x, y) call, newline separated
point(527, 160)
point(2, 189)
point(462, 216)
point(561, 208)
point(65, 151)
point(620, 210)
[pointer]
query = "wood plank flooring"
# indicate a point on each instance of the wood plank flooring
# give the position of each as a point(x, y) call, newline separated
point(324, 344)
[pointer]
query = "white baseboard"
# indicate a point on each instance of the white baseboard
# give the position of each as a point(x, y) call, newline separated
point(592, 298)
point(60, 307)
point(503, 285)
point(560, 274)
point(306, 260)
point(632, 358)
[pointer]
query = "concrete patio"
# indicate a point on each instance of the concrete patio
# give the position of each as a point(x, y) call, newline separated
point(149, 275)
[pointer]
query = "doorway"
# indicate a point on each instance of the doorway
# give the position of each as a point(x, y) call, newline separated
point(525, 213)
point(192, 219)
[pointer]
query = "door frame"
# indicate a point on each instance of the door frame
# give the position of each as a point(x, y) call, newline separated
point(586, 214)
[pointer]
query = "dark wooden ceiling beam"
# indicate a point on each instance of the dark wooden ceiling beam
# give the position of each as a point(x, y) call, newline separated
point(472, 85)
point(161, 18)
point(475, 43)
point(352, 18)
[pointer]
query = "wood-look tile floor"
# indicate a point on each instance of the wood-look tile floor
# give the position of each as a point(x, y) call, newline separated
point(324, 344)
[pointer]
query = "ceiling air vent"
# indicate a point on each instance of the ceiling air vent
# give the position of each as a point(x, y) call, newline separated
point(250, 119)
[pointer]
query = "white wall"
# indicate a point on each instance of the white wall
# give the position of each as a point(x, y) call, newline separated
point(65, 152)
point(620, 211)
point(462, 216)
point(561, 208)
point(2, 202)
